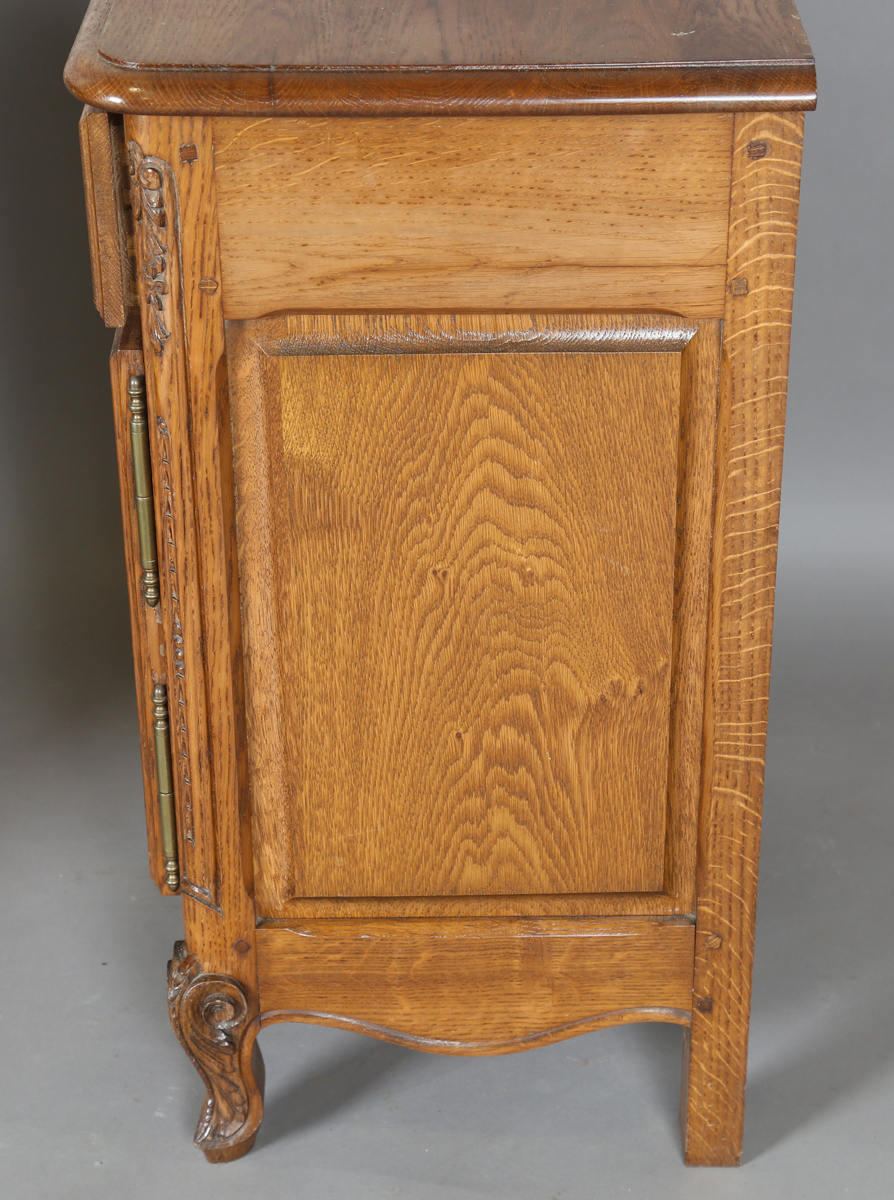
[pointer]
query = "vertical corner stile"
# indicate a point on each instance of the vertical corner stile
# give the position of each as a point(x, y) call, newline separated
point(757, 326)
point(179, 272)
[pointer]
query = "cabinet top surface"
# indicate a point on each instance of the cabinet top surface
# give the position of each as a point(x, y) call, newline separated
point(318, 57)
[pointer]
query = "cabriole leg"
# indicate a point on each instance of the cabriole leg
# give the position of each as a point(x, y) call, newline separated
point(212, 1019)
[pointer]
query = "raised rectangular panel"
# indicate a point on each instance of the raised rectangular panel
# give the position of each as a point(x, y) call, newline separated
point(457, 544)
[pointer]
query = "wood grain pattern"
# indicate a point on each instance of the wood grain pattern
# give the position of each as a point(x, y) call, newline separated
point(763, 225)
point(157, 225)
point(478, 587)
point(213, 1020)
point(104, 190)
point(671, 900)
point(521, 627)
point(467, 215)
point(145, 622)
point(449, 33)
point(694, 526)
point(329, 57)
point(475, 987)
point(447, 732)
point(189, 393)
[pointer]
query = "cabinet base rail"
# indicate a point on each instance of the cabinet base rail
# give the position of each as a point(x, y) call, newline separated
point(474, 986)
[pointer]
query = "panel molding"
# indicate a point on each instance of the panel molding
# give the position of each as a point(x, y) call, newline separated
point(485, 333)
point(251, 346)
point(762, 237)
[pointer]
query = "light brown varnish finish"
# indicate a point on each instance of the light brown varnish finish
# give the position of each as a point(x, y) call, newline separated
point(519, 57)
point(763, 230)
point(475, 987)
point(395, 814)
point(159, 259)
point(104, 190)
point(623, 213)
point(475, 688)
point(188, 391)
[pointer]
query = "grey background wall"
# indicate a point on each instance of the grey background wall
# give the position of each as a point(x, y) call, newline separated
point(98, 1099)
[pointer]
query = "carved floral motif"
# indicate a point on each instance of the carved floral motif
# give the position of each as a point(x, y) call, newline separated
point(156, 224)
point(148, 176)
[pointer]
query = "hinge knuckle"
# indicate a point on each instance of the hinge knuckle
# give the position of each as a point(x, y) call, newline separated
point(165, 776)
point(142, 478)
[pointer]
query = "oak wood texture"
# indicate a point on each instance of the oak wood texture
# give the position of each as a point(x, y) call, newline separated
point(177, 248)
point(475, 987)
point(145, 622)
point(154, 206)
point(763, 228)
point(212, 1018)
point(331, 57)
point(104, 191)
point(474, 691)
point(460, 616)
point(474, 214)
point(420, 392)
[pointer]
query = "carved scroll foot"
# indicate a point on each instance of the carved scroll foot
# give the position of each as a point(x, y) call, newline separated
point(210, 1015)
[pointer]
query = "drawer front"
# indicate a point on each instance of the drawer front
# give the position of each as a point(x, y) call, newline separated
point(470, 214)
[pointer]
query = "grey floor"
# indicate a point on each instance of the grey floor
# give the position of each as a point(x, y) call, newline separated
point(97, 1099)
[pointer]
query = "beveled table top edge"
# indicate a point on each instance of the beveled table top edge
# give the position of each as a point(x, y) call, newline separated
point(509, 89)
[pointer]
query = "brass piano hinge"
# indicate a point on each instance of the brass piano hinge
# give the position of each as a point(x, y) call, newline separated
point(165, 775)
point(142, 477)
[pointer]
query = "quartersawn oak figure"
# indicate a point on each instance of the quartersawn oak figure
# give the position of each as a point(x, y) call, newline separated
point(451, 358)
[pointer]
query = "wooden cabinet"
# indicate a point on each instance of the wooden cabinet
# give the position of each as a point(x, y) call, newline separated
point(449, 388)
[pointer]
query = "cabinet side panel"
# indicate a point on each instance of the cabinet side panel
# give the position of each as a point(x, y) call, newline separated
point(763, 226)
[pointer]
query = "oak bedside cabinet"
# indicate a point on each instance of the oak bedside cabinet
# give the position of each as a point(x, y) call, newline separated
point(449, 385)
